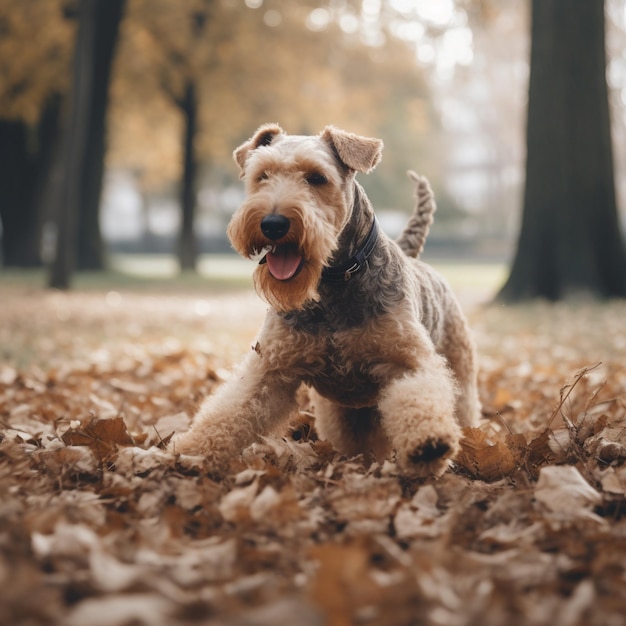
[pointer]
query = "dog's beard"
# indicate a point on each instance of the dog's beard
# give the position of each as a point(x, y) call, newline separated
point(289, 269)
point(291, 294)
point(289, 274)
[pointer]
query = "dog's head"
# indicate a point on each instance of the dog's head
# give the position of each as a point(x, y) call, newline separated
point(300, 194)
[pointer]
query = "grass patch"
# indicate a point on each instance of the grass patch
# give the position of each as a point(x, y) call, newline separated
point(479, 275)
point(144, 273)
point(220, 273)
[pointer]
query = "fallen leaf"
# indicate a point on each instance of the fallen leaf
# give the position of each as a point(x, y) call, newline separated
point(235, 505)
point(102, 435)
point(483, 458)
point(563, 491)
point(120, 610)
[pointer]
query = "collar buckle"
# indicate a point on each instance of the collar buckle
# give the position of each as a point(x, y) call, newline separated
point(351, 271)
point(357, 263)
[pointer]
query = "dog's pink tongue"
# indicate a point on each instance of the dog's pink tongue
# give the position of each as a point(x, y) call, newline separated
point(283, 262)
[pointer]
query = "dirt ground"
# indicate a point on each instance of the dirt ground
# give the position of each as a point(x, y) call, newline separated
point(100, 525)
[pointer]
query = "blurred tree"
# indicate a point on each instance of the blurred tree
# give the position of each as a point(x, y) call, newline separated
point(90, 247)
point(35, 45)
point(36, 39)
point(64, 260)
point(26, 153)
point(186, 45)
point(77, 217)
point(570, 242)
point(187, 247)
point(179, 43)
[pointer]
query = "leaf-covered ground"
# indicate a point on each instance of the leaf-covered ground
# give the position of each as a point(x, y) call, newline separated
point(99, 525)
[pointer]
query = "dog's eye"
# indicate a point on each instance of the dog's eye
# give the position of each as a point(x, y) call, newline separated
point(262, 176)
point(316, 179)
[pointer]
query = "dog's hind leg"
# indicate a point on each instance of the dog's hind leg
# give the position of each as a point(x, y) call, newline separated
point(458, 348)
point(351, 431)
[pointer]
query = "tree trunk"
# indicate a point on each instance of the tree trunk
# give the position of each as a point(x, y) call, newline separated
point(65, 256)
point(187, 246)
point(570, 242)
point(90, 247)
point(25, 158)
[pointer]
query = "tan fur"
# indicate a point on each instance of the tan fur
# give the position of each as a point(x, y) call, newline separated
point(387, 355)
point(361, 154)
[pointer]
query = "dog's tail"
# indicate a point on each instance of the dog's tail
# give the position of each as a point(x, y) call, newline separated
point(413, 237)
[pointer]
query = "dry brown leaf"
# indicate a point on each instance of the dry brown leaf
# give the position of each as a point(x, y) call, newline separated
point(421, 517)
point(539, 452)
point(483, 458)
point(342, 581)
point(102, 435)
point(564, 492)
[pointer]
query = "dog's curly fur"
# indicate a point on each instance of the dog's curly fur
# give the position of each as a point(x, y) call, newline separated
point(386, 353)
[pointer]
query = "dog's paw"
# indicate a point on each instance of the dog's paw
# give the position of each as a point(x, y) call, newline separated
point(212, 453)
point(430, 457)
point(430, 451)
point(186, 443)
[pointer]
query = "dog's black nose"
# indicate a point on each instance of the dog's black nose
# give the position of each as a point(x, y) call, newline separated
point(274, 226)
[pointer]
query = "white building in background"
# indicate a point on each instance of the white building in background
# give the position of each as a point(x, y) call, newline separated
point(121, 216)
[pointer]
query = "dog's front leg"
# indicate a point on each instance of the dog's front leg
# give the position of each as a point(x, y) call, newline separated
point(418, 417)
point(249, 404)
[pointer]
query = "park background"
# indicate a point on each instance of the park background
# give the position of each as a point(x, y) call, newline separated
point(117, 122)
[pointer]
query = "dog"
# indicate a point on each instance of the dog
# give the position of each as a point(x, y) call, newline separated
point(375, 334)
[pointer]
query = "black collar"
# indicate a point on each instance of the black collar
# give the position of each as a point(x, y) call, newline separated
point(343, 273)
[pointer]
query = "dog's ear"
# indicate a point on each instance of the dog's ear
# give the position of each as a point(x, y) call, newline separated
point(263, 136)
point(361, 154)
